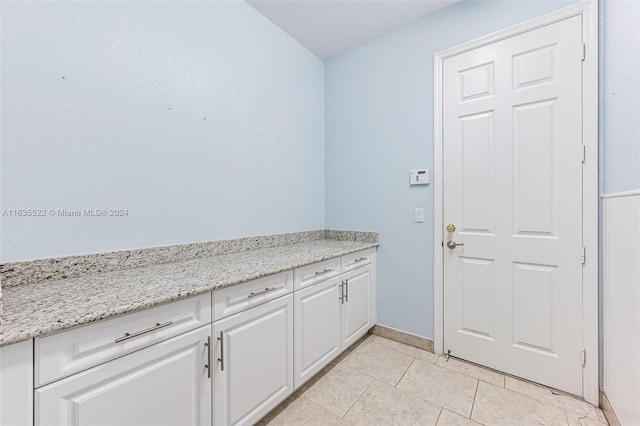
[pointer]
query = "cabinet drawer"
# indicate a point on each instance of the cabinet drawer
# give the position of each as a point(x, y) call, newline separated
point(355, 260)
point(78, 349)
point(165, 384)
point(237, 298)
point(316, 272)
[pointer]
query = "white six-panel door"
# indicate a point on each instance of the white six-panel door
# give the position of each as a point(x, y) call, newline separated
point(512, 152)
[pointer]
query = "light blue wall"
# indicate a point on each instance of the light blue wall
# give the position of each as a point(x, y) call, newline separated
point(379, 125)
point(620, 95)
point(203, 119)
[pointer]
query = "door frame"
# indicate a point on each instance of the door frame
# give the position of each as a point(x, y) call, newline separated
point(588, 9)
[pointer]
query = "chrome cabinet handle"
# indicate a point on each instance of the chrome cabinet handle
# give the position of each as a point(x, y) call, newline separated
point(158, 326)
point(258, 293)
point(362, 259)
point(452, 244)
point(346, 296)
point(208, 364)
point(341, 292)
point(221, 359)
point(324, 271)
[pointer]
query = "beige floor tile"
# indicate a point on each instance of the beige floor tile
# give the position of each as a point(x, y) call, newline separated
point(601, 415)
point(561, 400)
point(324, 417)
point(297, 413)
point(339, 389)
point(384, 343)
point(376, 359)
point(472, 370)
point(499, 406)
point(449, 418)
point(441, 386)
point(411, 351)
point(578, 420)
point(385, 405)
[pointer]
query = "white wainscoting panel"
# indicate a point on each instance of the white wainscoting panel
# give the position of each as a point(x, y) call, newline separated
point(621, 304)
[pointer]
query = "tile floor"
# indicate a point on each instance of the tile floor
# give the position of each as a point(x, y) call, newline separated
point(383, 382)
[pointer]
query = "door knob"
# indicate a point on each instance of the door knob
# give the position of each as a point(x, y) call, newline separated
point(451, 227)
point(452, 244)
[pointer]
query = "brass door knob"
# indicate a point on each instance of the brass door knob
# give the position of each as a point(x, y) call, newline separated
point(451, 227)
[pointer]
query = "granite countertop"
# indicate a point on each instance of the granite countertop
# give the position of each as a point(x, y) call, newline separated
point(48, 307)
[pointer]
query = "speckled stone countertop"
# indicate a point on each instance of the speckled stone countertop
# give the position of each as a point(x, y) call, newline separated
point(43, 308)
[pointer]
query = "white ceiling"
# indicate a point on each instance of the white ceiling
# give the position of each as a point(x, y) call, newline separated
point(330, 27)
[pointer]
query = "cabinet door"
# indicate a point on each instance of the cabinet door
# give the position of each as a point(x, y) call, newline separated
point(357, 309)
point(317, 330)
point(254, 371)
point(164, 384)
point(16, 384)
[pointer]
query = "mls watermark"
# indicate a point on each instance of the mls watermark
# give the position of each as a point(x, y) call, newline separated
point(65, 212)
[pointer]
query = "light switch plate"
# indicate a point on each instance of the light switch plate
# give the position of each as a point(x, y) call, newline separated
point(419, 215)
point(419, 177)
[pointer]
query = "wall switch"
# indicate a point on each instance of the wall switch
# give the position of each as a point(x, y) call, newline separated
point(419, 177)
point(419, 215)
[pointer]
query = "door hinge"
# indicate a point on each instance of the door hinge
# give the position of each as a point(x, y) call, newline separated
point(583, 254)
point(584, 153)
point(583, 356)
point(584, 52)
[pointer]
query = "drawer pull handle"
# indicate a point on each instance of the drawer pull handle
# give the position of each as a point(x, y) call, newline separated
point(258, 293)
point(324, 271)
point(208, 364)
point(221, 359)
point(158, 326)
point(362, 259)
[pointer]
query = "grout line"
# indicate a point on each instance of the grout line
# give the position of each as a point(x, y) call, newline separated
point(318, 407)
point(439, 414)
point(553, 402)
point(357, 399)
point(475, 395)
point(405, 372)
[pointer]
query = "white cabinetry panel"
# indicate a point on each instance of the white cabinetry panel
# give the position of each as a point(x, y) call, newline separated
point(16, 384)
point(357, 309)
point(254, 371)
point(81, 348)
point(165, 384)
point(355, 260)
point(317, 328)
point(238, 298)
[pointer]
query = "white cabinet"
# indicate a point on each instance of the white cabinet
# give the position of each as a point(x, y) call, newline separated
point(357, 304)
point(164, 384)
point(333, 314)
point(16, 384)
point(317, 328)
point(254, 369)
point(170, 366)
point(78, 349)
point(237, 298)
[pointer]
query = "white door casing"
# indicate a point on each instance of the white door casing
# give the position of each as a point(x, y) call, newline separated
point(516, 263)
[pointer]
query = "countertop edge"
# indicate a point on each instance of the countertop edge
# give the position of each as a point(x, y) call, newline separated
point(59, 326)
